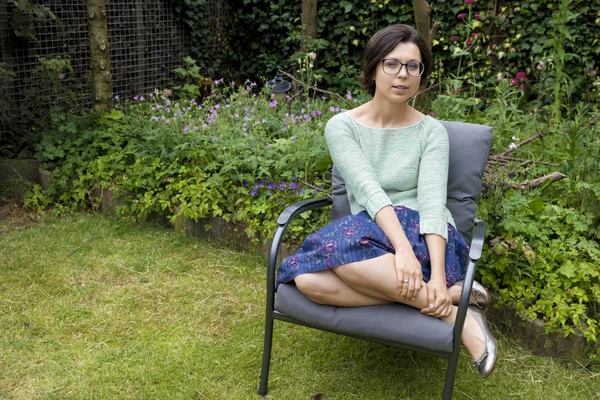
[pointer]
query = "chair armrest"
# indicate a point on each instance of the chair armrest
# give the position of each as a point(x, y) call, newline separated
point(474, 256)
point(478, 239)
point(285, 218)
point(297, 208)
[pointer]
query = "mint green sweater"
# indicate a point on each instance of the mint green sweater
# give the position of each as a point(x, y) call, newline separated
point(394, 166)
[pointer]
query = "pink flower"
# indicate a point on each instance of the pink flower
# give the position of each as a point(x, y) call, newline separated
point(476, 35)
point(522, 87)
point(513, 82)
point(167, 121)
point(469, 1)
point(521, 76)
point(469, 41)
point(454, 38)
point(461, 16)
point(477, 16)
point(453, 91)
point(61, 76)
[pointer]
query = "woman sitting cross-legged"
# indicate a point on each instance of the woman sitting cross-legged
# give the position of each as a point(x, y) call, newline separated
point(400, 243)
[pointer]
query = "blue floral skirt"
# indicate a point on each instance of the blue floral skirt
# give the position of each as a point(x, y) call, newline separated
point(357, 237)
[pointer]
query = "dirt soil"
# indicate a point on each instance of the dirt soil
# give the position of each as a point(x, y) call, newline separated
point(13, 217)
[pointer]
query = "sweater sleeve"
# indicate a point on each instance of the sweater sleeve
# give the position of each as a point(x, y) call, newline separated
point(432, 184)
point(355, 168)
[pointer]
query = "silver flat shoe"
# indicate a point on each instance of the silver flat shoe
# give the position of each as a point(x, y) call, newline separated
point(479, 295)
point(485, 364)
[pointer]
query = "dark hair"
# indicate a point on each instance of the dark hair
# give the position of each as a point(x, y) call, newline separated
point(383, 42)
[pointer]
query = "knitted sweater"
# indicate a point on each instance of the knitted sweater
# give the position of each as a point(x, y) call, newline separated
point(394, 166)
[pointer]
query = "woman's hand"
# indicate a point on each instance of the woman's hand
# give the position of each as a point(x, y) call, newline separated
point(409, 273)
point(438, 298)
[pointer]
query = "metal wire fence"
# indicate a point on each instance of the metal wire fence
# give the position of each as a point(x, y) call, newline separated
point(146, 45)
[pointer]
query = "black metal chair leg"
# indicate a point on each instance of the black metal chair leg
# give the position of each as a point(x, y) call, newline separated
point(450, 376)
point(266, 363)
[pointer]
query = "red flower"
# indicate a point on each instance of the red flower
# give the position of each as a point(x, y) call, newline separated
point(461, 16)
point(477, 16)
point(469, 1)
point(469, 41)
point(454, 38)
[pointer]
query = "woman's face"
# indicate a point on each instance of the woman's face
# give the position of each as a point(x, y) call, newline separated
point(401, 86)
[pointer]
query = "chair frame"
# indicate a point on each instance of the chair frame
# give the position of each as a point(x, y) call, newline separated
point(285, 219)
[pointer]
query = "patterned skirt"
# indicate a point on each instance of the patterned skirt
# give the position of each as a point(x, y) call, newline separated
point(357, 237)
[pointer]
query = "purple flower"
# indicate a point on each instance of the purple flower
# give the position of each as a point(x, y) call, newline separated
point(273, 104)
point(232, 83)
point(136, 97)
point(313, 114)
point(332, 109)
point(293, 138)
point(236, 115)
point(253, 192)
point(349, 95)
point(214, 138)
point(116, 97)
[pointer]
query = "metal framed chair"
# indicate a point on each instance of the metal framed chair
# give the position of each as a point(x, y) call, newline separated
point(395, 325)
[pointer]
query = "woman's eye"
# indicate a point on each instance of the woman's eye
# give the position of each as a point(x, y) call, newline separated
point(413, 66)
point(392, 64)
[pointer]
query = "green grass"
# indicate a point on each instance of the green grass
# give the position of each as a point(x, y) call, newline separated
point(95, 309)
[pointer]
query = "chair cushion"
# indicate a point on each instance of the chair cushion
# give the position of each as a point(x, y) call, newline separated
point(469, 151)
point(392, 322)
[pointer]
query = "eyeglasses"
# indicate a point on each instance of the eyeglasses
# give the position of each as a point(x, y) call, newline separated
point(393, 67)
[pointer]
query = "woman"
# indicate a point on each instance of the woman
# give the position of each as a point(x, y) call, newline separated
point(400, 243)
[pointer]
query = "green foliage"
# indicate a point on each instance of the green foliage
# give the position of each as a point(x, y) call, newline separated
point(6, 105)
point(53, 93)
point(238, 154)
point(544, 258)
point(26, 15)
point(263, 37)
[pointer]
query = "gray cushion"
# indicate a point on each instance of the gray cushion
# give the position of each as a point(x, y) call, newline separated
point(392, 322)
point(469, 151)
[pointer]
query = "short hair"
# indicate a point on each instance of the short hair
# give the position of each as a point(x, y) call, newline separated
point(382, 43)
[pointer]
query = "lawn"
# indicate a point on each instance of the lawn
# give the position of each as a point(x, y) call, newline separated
point(92, 308)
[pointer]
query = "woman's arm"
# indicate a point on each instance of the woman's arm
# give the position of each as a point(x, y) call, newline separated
point(432, 184)
point(409, 272)
point(438, 297)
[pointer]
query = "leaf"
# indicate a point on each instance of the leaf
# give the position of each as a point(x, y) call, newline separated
point(568, 270)
point(536, 205)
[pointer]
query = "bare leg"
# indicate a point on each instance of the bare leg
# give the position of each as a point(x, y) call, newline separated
point(376, 278)
point(455, 292)
point(325, 287)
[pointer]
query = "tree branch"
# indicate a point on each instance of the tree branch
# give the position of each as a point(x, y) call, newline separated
point(555, 176)
point(292, 77)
